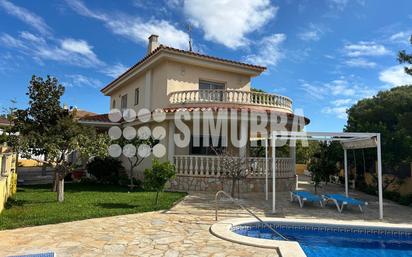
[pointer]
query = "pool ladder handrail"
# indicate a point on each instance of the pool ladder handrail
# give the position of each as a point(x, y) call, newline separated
point(246, 209)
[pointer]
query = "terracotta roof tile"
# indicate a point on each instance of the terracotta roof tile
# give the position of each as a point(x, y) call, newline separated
point(96, 118)
point(216, 108)
point(165, 48)
point(4, 121)
point(105, 117)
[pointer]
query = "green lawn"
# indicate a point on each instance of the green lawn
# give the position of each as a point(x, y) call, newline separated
point(36, 205)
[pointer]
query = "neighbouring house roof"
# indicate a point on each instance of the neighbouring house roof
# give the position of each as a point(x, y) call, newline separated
point(166, 49)
point(4, 122)
point(83, 113)
point(98, 118)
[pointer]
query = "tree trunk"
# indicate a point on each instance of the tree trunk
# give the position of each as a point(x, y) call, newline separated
point(131, 178)
point(44, 166)
point(238, 189)
point(55, 181)
point(157, 197)
point(60, 191)
point(131, 186)
point(232, 193)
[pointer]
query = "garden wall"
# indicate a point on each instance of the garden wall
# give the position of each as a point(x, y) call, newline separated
point(8, 177)
point(210, 184)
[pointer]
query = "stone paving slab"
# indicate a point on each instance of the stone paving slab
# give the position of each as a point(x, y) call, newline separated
point(147, 234)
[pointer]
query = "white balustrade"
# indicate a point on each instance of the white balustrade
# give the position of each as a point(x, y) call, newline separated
point(230, 96)
point(210, 166)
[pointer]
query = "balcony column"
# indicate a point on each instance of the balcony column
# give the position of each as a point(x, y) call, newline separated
point(171, 143)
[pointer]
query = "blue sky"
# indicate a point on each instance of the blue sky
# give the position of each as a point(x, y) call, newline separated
point(324, 54)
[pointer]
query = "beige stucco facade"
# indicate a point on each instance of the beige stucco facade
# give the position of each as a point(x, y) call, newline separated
point(157, 83)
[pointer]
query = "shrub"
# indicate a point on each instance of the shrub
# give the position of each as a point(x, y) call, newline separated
point(107, 170)
point(406, 200)
point(125, 181)
point(392, 195)
point(155, 178)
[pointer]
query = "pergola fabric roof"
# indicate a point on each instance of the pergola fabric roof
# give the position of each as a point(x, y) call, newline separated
point(359, 143)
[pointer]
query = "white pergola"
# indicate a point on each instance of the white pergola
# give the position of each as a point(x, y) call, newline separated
point(348, 140)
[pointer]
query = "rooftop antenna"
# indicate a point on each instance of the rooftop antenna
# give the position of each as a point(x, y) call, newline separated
point(189, 31)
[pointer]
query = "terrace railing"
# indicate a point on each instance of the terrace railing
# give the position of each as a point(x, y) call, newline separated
point(211, 166)
point(213, 96)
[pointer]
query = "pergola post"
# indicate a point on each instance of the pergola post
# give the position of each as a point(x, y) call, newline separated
point(267, 169)
point(273, 172)
point(345, 154)
point(380, 191)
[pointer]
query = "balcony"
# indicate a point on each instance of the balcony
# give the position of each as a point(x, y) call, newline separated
point(215, 96)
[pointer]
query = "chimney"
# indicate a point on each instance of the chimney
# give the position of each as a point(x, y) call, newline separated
point(153, 43)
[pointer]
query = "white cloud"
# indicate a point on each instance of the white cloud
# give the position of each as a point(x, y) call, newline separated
point(337, 4)
point(343, 87)
point(340, 112)
point(268, 51)
point(312, 33)
point(401, 37)
point(139, 31)
point(78, 80)
point(360, 62)
point(228, 22)
point(115, 70)
point(340, 87)
point(134, 28)
point(317, 92)
point(337, 95)
point(340, 102)
point(40, 49)
point(395, 76)
point(77, 46)
point(365, 49)
point(26, 16)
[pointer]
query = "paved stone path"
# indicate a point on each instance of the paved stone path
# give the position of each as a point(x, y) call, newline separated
point(181, 231)
point(147, 234)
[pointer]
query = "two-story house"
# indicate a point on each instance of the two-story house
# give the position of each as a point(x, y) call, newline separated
point(170, 81)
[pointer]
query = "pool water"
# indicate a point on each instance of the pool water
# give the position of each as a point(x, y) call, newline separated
point(334, 242)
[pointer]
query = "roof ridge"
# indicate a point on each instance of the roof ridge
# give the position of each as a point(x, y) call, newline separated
point(164, 47)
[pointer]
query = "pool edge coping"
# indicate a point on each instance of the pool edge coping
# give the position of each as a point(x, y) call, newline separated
point(222, 229)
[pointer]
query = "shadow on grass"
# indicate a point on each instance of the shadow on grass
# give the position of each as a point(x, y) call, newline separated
point(14, 202)
point(117, 205)
point(79, 187)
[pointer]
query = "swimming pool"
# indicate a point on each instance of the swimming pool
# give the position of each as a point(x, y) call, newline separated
point(333, 241)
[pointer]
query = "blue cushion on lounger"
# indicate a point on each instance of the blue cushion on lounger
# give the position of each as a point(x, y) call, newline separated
point(349, 200)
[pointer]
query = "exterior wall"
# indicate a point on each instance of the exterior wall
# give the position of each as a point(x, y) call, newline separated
point(129, 89)
point(186, 77)
point(147, 162)
point(187, 183)
point(8, 178)
point(167, 77)
point(159, 98)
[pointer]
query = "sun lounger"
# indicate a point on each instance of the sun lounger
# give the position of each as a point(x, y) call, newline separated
point(341, 200)
point(304, 196)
